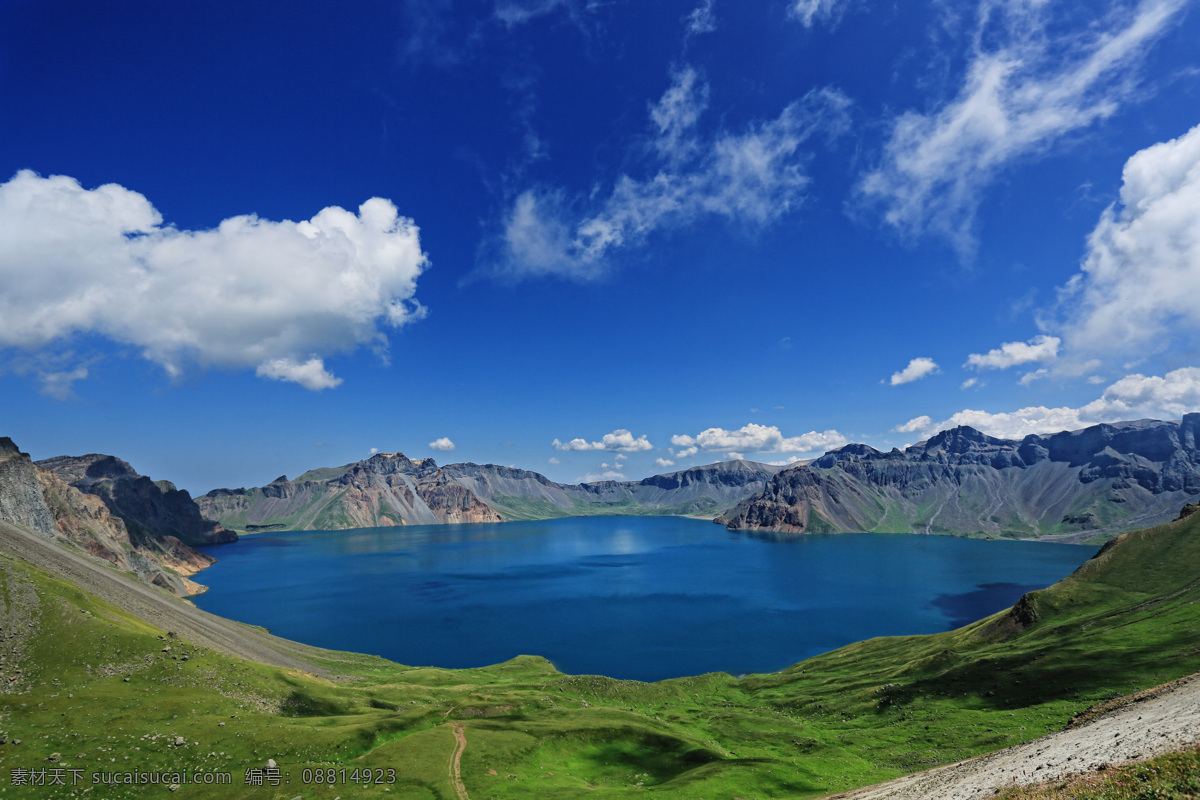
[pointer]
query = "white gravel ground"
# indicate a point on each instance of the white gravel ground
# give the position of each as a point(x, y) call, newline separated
point(1157, 721)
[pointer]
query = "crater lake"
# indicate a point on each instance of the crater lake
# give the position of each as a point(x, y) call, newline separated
point(642, 598)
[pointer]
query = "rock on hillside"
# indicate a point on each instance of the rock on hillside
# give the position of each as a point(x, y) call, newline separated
point(1084, 484)
point(153, 510)
point(41, 502)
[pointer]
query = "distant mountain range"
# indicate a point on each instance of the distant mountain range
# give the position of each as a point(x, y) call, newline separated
point(1085, 485)
point(391, 489)
point(1080, 485)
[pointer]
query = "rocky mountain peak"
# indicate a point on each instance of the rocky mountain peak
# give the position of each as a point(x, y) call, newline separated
point(392, 463)
point(81, 471)
point(963, 439)
point(848, 452)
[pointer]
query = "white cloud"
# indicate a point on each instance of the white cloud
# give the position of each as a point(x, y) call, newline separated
point(279, 297)
point(553, 460)
point(914, 425)
point(311, 374)
point(1141, 274)
point(917, 368)
point(444, 444)
point(1027, 84)
point(735, 456)
point(373, 450)
point(664, 462)
point(1133, 397)
point(515, 12)
point(1010, 354)
point(607, 475)
point(754, 438)
point(969, 382)
point(701, 19)
point(60, 385)
point(1035, 375)
point(752, 177)
point(810, 11)
point(619, 440)
point(676, 113)
point(1170, 396)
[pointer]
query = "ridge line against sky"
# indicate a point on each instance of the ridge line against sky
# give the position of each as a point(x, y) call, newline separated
point(606, 238)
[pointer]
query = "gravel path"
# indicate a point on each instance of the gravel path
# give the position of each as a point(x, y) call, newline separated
point(460, 744)
point(157, 608)
point(1160, 720)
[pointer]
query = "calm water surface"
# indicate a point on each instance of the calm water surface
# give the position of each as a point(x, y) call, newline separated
point(630, 597)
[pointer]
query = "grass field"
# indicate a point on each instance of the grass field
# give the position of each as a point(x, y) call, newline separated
point(89, 688)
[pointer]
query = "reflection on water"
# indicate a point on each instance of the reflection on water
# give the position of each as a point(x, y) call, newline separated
point(965, 608)
point(629, 597)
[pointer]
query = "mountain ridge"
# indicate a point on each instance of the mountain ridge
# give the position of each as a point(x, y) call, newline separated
point(391, 489)
point(42, 502)
point(1084, 484)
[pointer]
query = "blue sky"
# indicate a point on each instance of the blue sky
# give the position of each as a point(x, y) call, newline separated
point(589, 238)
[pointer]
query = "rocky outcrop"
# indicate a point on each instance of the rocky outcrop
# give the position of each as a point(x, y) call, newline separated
point(153, 510)
point(1091, 483)
point(21, 500)
point(40, 501)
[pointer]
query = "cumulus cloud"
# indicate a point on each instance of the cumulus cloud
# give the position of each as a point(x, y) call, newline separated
point(311, 374)
point(278, 297)
point(812, 11)
point(619, 441)
point(1133, 397)
point(1141, 273)
point(1028, 83)
point(553, 460)
point(914, 425)
point(969, 382)
point(917, 368)
point(754, 438)
point(444, 444)
point(752, 177)
point(664, 462)
point(1010, 354)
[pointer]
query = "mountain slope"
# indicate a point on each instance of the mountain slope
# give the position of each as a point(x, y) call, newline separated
point(151, 509)
point(101, 667)
point(39, 501)
point(391, 489)
point(1081, 485)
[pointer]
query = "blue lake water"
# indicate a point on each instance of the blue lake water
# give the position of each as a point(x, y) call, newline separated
point(629, 597)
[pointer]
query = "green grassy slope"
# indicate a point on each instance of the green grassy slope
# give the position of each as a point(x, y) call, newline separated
point(876, 709)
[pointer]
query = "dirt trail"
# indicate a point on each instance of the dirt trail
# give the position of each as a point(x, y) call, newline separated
point(163, 611)
point(460, 744)
point(1160, 720)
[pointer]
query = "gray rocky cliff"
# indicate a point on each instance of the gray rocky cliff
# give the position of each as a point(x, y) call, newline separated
point(39, 500)
point(152, 509)
point(1093, 482)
